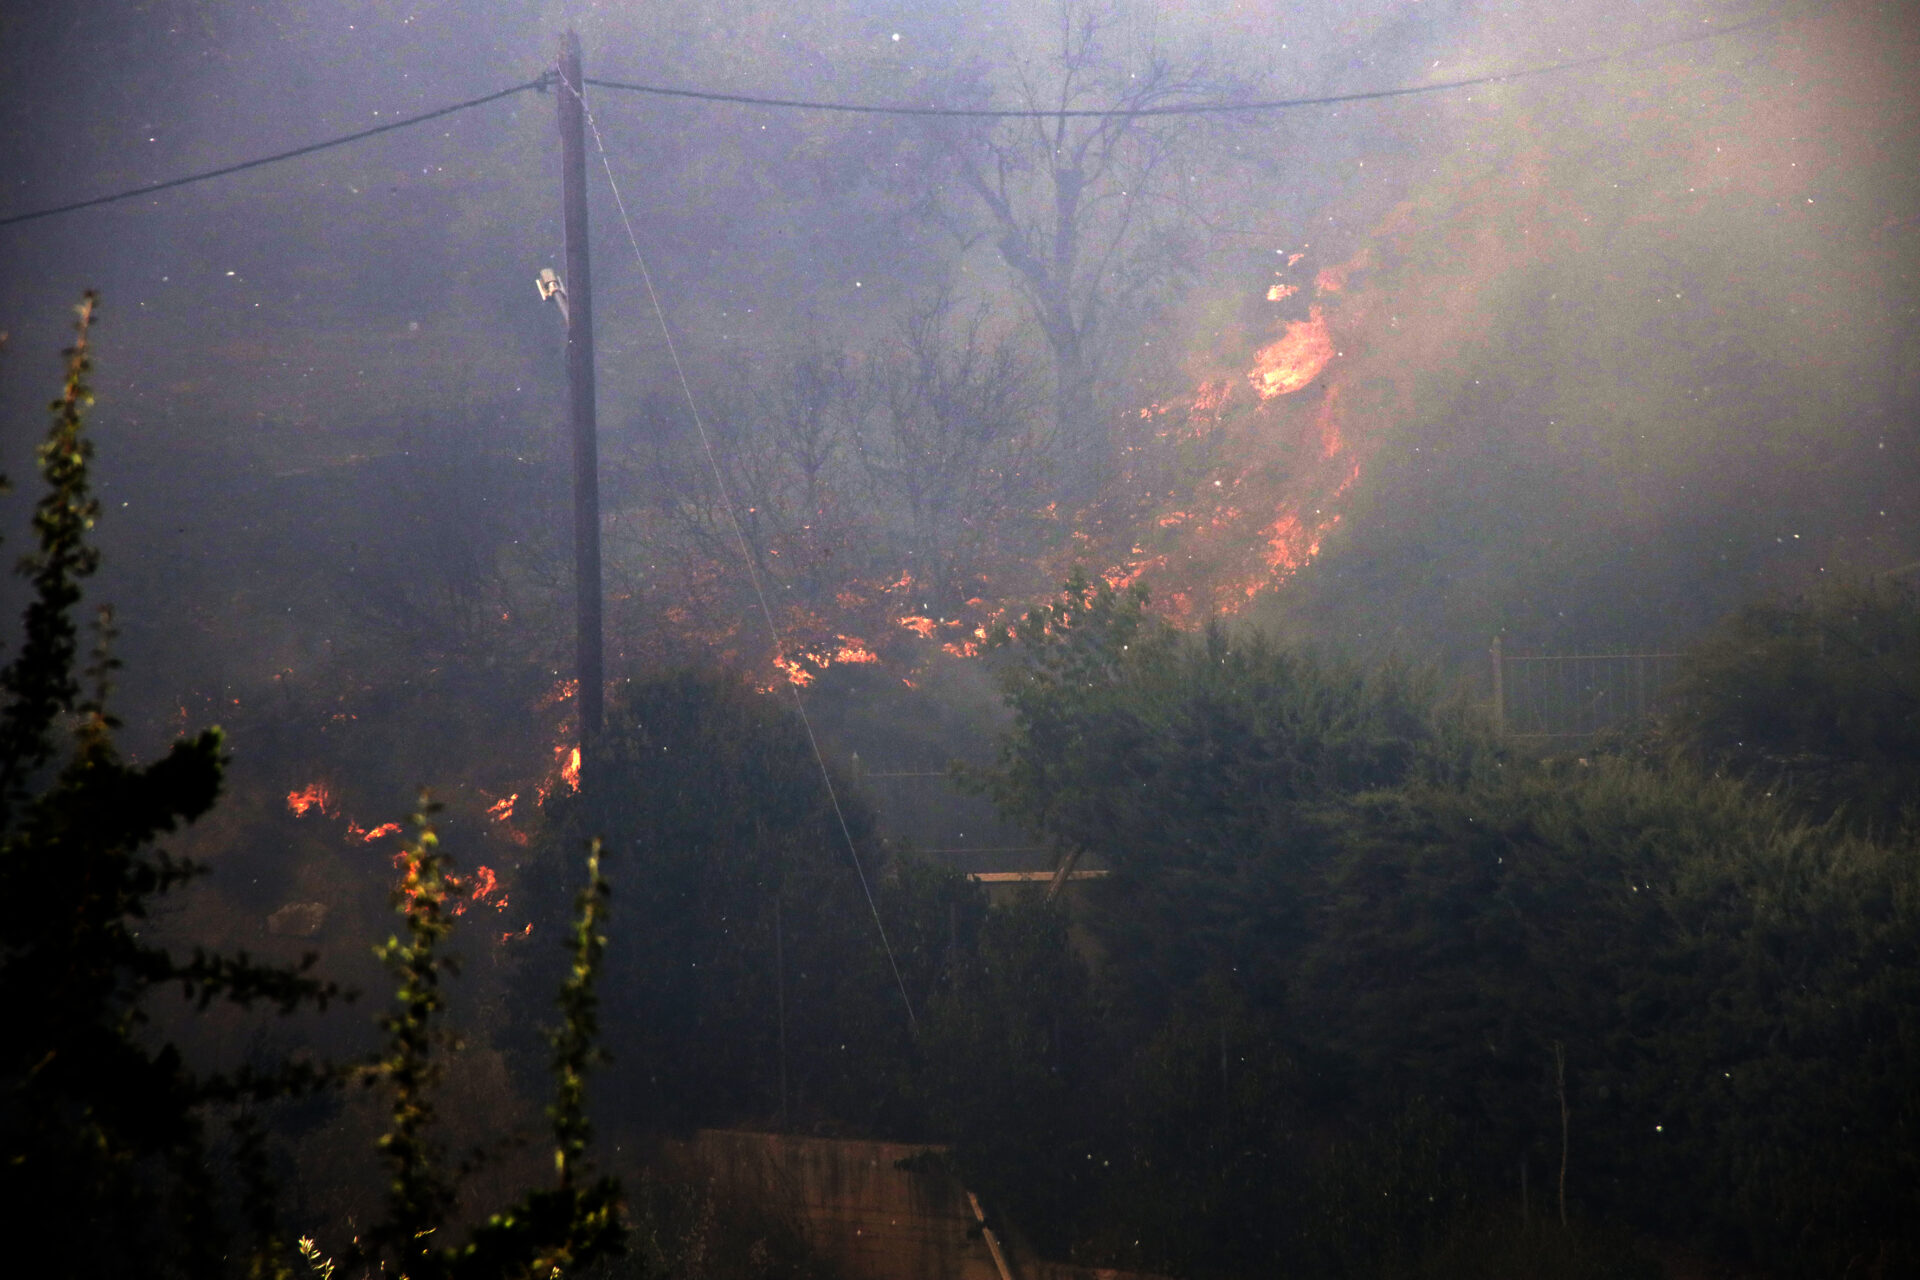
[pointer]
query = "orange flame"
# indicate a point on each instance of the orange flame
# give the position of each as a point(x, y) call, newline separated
point(923, 626)
point(803, 665)
point(314, 796)
point(562, 691)
point(485, 885)
point(1214, 497)
point(385, 829)
point(1330, 280)
point(796, 673)
point(1300, 355)
point(854, 650)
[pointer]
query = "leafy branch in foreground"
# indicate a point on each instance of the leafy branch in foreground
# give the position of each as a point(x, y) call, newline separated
point(559, 1228)
point(103, 1134)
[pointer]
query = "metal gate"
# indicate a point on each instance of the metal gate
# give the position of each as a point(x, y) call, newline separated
point(1549, 696)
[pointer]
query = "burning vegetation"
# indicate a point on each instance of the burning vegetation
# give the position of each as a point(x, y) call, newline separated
point(900, 505)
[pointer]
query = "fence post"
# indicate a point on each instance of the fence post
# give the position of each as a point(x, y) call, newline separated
point(1499, 691)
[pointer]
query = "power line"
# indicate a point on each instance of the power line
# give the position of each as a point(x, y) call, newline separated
point(546, 80)
point(1182, 109)
point(169, 184)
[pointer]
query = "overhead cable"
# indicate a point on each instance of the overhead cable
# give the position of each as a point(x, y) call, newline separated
point(545, 81)
point(1178, 109)
point(277, 157)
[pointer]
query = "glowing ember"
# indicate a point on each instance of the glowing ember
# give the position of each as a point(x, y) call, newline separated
point(570, 771)
point(801, 667)
point(1281, 292)
point(855, 650)
point(1296, 360)
point(385, 829)
point(485, 885)
point(501, 810)
point(796, 673)
point(925, 627)
point(314, 796)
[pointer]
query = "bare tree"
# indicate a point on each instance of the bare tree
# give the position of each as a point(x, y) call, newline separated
point(850, 477)
point(949, 451)
point(1090, 213)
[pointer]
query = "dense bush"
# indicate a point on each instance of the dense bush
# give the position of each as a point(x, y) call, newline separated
point(1362, 975)
point(1816, 696)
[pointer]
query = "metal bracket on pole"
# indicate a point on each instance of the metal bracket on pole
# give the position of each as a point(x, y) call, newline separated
point(551, 286)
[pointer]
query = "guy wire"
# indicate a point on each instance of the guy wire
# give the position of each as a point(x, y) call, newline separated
point(746, 553)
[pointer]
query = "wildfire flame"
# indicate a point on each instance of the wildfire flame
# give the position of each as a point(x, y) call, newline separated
point(803, 665)
point(562, 691)
point(313, 796)
point(485, 885)
point(565, 771)
point(921, 626)
point(1213, 498)
point(1261, 510)
point(1301, 355)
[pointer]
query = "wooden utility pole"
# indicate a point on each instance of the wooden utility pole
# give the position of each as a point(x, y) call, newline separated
point(588, 663)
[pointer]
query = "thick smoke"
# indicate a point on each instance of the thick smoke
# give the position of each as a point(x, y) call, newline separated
point(1617, 346)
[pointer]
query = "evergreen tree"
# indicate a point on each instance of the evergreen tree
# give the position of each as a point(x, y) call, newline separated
point(105, 1157)
point(104, 1131)
point(1356, 968)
